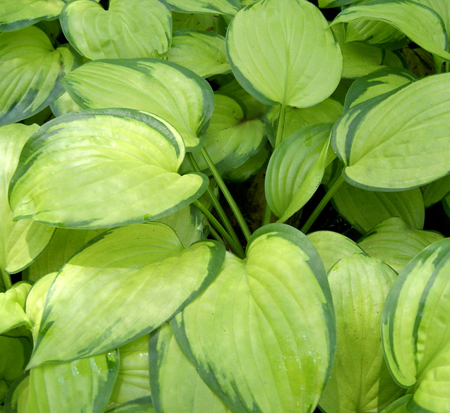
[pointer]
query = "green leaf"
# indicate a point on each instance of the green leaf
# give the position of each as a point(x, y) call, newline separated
point(64, 104)
point(415, 328)
point(175, 382)
point(123, 285)
point(399, 406)
point(375, 33)
point(250, 167)
point(394, 145)
point(435, 191)
point(12, 304)
point(17, 14)
point(17, 397)
point(360, 380)
point(366, 209)
point(72, 173)
point(205, 22)
point(395, 243)
point(128, 29)
point(174, 93)
point(142, 405)
point(296, 169)
point(201, 52)
point(30, 73)
point(273, 67)
point(20, 241)
point(206, 6)
point(262, 335)
point(417, 21)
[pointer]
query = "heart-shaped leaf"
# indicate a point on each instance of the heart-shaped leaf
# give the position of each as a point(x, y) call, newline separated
point(128, 29)
point(262, 335)
point(102, 169)
point(125, 284)
point(206, 6)
point(273, 67)
point(174, 93)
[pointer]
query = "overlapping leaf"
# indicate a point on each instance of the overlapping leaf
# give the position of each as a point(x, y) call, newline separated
point(375, 33)
point(12, 304)
point(101, 169)
point(206, 6)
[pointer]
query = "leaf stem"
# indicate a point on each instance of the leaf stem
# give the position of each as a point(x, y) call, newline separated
point(236, 211)
point(267, 217)
point(280, 126)
point(6, 279)
point(334, 187)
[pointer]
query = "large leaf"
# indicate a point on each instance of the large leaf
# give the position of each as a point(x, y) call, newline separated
point(416, 329)
point(16, 14)
point(101, 169)
point(262, 335)
point(270, 61)
point(168, 90)
point(125, 284)
point(206, 6)
point(360, 380)
point(128, 29)
point(417, 21)
point(175, 382)
point(20, 241)
point(30, 73)
point(395, 145)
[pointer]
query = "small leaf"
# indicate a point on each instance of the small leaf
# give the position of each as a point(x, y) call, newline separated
point(64, 104)
point(12, 304)
point(206, 6)
point(435, 191)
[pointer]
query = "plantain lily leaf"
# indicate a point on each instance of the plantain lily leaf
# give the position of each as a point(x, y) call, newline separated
point(141, 405)
point(64, 104)
point(417, 21)
point(415, 328)
point(399, 406)
point(17, 397)
point(30, 74)
point(262, 335)
point(296, 169)
point(20, 241)
point(360, 380)
point(275, 69)
point(12, 303)
point(176, 384)
point(366, 209)
point(250, 167)
point(132, 380)
point(332, 247)
point(379, 143)
point(170, 91)
point(375, 33)
point(393, 58)
point(435, 191)
point(128, 29)
point(123, 285)
point(134, 157)
point(206, 6)
point(17, 14)
point(204, 22)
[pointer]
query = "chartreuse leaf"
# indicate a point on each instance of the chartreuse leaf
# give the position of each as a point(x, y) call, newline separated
point(435, 191)
point(123, 285)
point(417, 21)
point(332, 247)
point(176, 384)
point(262, 335)
point(17, 396)
point(206, 6)
point(296, 169)
point(101, 169)
point(379, 144)
point(128, 29)
point(375, 33)
point(399, 406)
point(396, 243)
point(20, 241)
point(366, 209)
point(250, 167)
point(360, 380)
point(170, 91)
point(141, 405)
point(30, 73)
point(416, 328)
point(132, 380)
point(16, 14)
point(64, 104)
point(12, 304)
point(274, 67)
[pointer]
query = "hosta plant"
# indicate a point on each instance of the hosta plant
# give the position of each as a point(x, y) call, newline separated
point(164, 170)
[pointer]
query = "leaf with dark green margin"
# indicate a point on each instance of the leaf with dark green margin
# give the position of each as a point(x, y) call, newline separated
point(296, 169)
point(12, 304)
point(128, 29)
point(366, 209)
point(64, 104)
point(375, 33)
point(176, 384)
point(17, 396)
point(142, 405)
point(394, 145)
point(250, 167)
point(263, 334)
point(102, 168)
point(395, 243)
point(124, 284)
point(174, 93)
point(360, 380)
point(206, 6)
point(416, 329)
point(271, 63)
point(17, 14)
point(417, 21)
point(204, 22)
point(30, 73)
point(435, 191)
point(20, 241)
